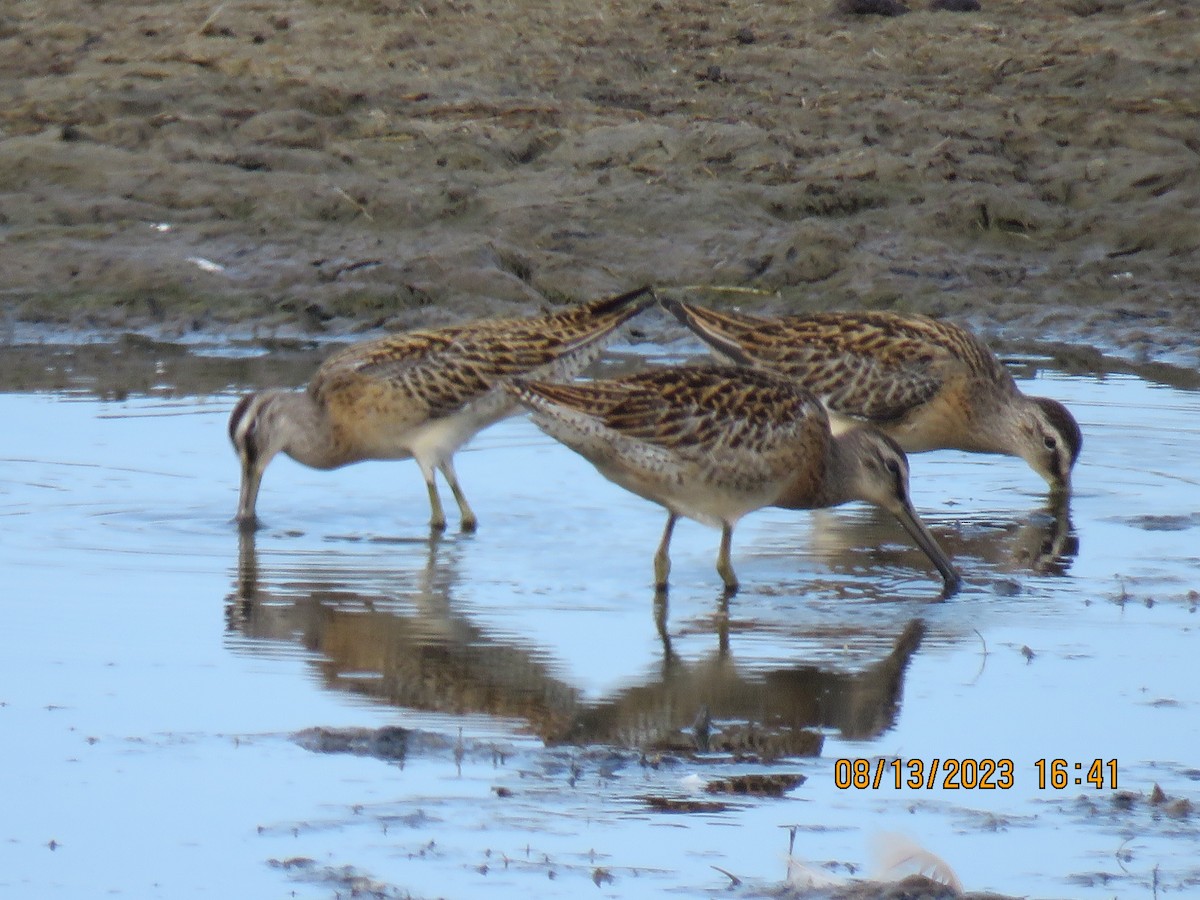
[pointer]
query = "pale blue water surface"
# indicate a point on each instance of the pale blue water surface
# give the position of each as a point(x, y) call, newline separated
point(156, 670)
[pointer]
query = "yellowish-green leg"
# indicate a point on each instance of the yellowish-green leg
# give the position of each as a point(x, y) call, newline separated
point(437, 516)
point(724, 566)
point(662, 559)
point(469, 522)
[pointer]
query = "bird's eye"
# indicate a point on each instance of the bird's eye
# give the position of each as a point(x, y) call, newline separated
point(1049, 442)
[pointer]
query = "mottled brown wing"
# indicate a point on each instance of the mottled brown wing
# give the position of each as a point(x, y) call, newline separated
point(598, 317)
point(697, 410)
point(447, 368)
point(722, 331)
point(871, 366)
point(413, 365)
point(481, 359)
point(595, 399)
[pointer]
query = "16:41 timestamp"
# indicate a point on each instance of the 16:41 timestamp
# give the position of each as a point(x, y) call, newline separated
point(1061, 773)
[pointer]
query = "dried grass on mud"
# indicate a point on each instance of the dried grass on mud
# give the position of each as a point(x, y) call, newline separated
point(1031, 168)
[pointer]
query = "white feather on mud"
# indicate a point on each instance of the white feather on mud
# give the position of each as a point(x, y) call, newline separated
point(897, 856)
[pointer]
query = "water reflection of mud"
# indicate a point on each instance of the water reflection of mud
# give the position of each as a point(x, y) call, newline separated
point(132, 365)
point(408, 646)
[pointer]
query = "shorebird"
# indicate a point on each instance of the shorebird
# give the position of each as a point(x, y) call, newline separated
point(927, 383)
point(716, 442)
point(421, 394)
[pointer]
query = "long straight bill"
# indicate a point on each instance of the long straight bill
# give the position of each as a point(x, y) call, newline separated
point(916, 528)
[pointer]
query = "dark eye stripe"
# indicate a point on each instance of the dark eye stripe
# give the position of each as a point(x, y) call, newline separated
point(248, 445)
point(239, 413)
point(251, 447)
point(1064, 424)
point(897, 472)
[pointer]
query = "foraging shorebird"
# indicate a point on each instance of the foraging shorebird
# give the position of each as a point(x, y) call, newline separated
point(927, 383)
point(715, 442)
point(422, 394)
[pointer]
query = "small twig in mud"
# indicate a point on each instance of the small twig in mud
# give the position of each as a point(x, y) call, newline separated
point(734, 881)
point(726, 289)
point(212, 17)
point(983, 660)
point(1124, 596)
point(1124, 855)
point(362, 209)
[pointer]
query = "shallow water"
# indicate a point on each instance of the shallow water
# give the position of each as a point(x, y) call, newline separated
point(158, 666)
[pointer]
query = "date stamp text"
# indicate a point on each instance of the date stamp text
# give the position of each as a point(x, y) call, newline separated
point(969, 774)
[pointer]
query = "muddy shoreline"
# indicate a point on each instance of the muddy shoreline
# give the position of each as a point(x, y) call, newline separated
point(190, 169)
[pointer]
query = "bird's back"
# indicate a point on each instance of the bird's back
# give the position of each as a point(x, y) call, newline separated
point(701, 439)
point(873, 365)
point(380, 388)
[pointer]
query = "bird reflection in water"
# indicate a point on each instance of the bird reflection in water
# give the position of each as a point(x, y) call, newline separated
point(1046, 542)
point(1043, 541)
point(399, 638)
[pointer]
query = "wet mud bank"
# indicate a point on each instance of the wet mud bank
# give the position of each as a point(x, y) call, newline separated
point(180, 168)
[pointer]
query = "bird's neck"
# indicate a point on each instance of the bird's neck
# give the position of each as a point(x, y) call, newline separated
point(817, 486)
point(997, 432)
point(307, 434)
